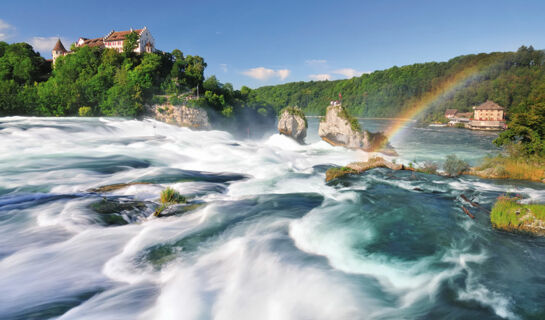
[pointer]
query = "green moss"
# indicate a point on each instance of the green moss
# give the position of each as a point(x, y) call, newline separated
point(508, 214)
point(334, 173)
point(295, 111)
point(354, 124)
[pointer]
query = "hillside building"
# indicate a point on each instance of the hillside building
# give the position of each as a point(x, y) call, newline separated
point(113, 40)
point(488, 116)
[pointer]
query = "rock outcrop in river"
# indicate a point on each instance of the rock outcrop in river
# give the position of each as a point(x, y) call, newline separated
point(183, 116)
point(361, 167)
point(339, 128)
point(292, 123)
point(510, 215)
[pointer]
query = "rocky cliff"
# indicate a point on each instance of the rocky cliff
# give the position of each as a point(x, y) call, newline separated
point(182, 116)
point(340, 129)
point(292, 123)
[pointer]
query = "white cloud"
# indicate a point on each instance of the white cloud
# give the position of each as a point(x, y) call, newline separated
point(349, 72)
point(223, 67)
point(316, 61)
point(320, 77)
point(45, 44)
point(262, 73)
point(6, 30)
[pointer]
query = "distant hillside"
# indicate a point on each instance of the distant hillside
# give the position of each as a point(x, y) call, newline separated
point(512, 79)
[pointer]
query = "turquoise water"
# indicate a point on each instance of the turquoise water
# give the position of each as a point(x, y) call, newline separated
point(266, 237)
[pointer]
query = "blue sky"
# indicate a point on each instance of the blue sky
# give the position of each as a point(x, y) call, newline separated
point(258, 43)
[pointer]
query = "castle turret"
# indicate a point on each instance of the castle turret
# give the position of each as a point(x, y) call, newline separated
point(58, 50)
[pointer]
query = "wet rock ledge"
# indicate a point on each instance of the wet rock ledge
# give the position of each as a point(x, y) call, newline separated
point(360, 167)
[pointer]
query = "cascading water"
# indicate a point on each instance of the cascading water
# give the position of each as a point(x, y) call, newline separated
point(267, 237)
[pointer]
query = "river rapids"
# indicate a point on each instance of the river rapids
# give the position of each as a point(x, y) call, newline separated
point(264, 238)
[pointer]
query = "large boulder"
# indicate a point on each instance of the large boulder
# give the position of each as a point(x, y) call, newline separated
point(183, 116)
point(338, 128)
point(292, 123)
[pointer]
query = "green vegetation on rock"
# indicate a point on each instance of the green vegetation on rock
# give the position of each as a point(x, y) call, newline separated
point(334, 173)
point(295, 111)
point(345, 114)
point(508, 214)
point(171, 196)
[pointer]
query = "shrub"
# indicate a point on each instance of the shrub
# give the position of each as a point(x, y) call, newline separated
point(227, 112)
point(454, 166)
point(85, 112)
point(175, 101)
point(159, 100)
point(171, 196)
point(429, 167)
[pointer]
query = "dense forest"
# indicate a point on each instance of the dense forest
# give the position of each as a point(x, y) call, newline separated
point(102, 82)
point(512, 79)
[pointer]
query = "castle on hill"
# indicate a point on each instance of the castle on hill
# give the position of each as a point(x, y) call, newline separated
point(113, 40)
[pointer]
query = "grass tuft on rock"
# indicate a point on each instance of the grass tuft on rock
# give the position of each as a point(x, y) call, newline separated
point(171, 196)
point(508, 214)
point(334, 173)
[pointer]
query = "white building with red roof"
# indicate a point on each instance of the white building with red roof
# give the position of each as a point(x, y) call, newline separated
point(113, 40)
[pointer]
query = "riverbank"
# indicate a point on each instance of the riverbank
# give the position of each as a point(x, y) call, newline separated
point(511, 168)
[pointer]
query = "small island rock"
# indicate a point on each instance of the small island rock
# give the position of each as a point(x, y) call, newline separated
point(292, 123)
point(339, 128)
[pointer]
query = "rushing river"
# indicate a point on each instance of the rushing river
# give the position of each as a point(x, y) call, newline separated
point(266, 237)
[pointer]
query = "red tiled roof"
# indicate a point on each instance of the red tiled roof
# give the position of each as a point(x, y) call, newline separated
point(450, 112)
point(98, 42)
point(120, 35)
point(489, 105)
point(59, 46)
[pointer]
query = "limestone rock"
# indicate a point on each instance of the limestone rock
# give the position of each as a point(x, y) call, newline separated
point(292, 123)
point(182, 116)
point(338, 128)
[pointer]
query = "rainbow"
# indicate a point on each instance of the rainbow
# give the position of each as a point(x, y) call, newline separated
point(416, 108)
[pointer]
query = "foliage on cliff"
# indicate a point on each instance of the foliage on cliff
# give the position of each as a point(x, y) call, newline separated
point(295, 111)
point(512, 79)
point(108, 83)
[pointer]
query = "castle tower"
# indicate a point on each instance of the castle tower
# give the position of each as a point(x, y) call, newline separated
point(58, 50)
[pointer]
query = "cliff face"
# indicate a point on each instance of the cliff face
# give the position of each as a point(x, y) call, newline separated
point(337, 130)
point(182, 116)
point(292, 123)
point(340, 129)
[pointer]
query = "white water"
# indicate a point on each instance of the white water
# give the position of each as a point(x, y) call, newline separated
point(265, 263)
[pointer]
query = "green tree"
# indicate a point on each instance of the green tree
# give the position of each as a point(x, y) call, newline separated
point(131, 42)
